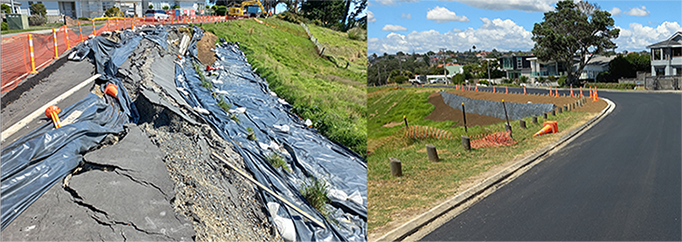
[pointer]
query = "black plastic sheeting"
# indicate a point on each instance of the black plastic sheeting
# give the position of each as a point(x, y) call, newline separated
point(515, 111)
point(308, 154)
point(36, 161)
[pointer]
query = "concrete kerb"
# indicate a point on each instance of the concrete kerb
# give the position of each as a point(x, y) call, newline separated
point(422, 220)
point(14, 128)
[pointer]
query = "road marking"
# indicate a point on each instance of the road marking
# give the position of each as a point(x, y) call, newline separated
point(17, 126)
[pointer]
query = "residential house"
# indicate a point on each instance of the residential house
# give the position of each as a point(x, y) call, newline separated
point(96, 8)
point(516, 66)
point(666, 56)
point(595, 66)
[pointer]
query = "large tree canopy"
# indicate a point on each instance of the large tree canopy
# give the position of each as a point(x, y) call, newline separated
point(574, 33)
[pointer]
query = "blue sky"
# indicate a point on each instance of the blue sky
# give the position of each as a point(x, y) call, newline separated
point(420, 26)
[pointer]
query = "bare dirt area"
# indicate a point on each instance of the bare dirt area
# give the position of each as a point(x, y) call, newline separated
point(444, 112)
point(204, 46)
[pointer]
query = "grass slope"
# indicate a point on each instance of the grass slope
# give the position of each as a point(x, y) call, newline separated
point(333, 98)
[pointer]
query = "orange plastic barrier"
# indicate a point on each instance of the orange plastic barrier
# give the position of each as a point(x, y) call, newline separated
point(16, 55)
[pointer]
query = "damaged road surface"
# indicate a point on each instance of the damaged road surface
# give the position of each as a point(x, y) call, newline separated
point(122, 192)
point(138, 165)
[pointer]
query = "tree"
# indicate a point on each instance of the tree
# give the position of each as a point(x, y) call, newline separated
point(39, 9)
point(113, 12)
point(458, 78)
point(166, 7)
point(571, 30)
point(329, 13)
point(150, 6)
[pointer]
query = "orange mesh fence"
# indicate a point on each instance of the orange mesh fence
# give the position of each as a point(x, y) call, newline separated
point(492, 140)
point(16, 57)
point(424, 132)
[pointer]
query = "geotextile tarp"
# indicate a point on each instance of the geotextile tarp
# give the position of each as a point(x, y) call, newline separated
point(35, 162)
point(308, 154)
point(515, 111)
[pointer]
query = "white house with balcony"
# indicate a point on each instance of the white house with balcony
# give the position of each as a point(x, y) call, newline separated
point(96, 8)
point(666, 56)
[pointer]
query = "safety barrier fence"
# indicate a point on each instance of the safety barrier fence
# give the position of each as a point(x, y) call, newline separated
point(25, 53)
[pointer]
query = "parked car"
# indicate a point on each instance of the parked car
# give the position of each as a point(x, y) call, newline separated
point(156, 14)
point(439, 80)
point(130, 12)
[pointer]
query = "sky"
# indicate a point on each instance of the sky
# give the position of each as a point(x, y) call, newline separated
point(428, 25)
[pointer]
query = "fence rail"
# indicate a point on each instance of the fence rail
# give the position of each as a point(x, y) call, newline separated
point(16, 53)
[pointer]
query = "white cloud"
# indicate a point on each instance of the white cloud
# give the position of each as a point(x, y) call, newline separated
point(492, 34)
point(390, 27)
point(370, 17)
point(386, 2)
point(638, 36)
point(523, 5)
point(638, 12)
point(406, 15)
point(443, 15)
point(615, 11)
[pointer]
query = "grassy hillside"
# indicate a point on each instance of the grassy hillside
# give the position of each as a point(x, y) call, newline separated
point(333, 98)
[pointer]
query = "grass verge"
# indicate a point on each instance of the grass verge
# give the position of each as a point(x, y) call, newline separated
point(425, 184)
point(333, 98)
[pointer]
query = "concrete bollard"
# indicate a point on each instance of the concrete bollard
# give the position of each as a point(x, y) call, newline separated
point(522, 123)
point(466, 142)
point(553, 112)
point(433, 154)
point(535, 119)
point(565, 108)
point(559, 110)
point(396, 167)
point(544, 116)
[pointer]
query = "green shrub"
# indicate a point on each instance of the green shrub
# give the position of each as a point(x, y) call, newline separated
point(38, 8)
point(166, 8)
point(113, 12)
point(523, 79)
point(222, 104)
point(357, 33)
point(400, 79)
point(483, 82)
point(221, 10)
point(5, 26)
point(562, 81)
point(150, 6)
point(291, 17)
point(84, 18)
point(6, 8)
point(611, 85)
point(458, 78)
point(36, 20)
point(178, 7)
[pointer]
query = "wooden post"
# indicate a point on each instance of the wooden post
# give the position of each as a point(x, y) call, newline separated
point(466, 142)
point(553, 112)
point(544, 116)
point(508, 126)
point(433, 154)
point(560, 110)
point(522, 123)
point(396, 167)
point(464, 116)
point(535, 119)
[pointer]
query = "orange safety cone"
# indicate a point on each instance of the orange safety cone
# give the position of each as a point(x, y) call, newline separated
point(581, 92)
point(545, 130)
point(596, 95)
point(506, 90)
point(556, 91)
point(524, 90)
point(494, 89)
point(477, 88)
point(111, 90)
point(550, 91)
point(52, 113)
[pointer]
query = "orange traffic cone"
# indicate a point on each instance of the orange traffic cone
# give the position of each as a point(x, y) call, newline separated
point(493, 89)
point(596, 95)
point(572, 92)
point(556, 91)
point(545, 130)
point(581, 92)
point(51, 112)
point(524, 90)
point(550, 91)
point(477, 88)
point(506, 90)
point(112, 90)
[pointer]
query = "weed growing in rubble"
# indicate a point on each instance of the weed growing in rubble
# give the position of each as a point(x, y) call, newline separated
point(224, 105)
point(234, 117)
point(250, 134)
point(316, 194)
point(276, 161)
point(204, 83)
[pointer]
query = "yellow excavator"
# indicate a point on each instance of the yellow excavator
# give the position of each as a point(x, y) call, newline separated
point(249, 7)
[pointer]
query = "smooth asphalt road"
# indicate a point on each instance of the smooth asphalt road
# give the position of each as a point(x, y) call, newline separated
point(621, 180)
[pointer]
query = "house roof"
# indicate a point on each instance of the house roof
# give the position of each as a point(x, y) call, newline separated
point(673, 41)
point(600, 60)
